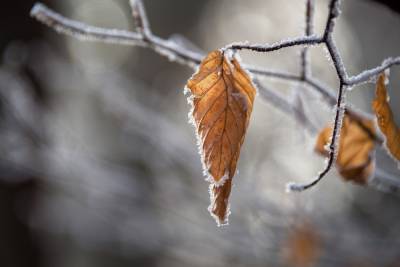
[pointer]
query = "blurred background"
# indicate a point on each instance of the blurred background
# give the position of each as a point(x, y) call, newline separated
point(99, 167)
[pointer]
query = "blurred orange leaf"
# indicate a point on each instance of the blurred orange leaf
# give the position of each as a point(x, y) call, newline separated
point(384, 115)
point(302, 247)
point(354, 160)
point(222, 100)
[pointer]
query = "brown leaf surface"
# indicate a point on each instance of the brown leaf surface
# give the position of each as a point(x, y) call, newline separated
point(302, 247)
point(384, 115)
point(354, 160)
point(222, 100)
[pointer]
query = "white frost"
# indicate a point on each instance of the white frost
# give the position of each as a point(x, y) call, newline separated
point(225, 221)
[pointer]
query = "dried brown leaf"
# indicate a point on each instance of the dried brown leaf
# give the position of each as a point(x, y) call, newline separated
point(354, 160)
point(384, 115)
point(222, 100)
point(302, 247)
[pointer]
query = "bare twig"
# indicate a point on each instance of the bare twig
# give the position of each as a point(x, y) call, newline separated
point(140, 17)
point(367, 75)
point(332, 146)
point(273, 73)
point(167, 48)
point(89, 33)
point(309, 30)
point(282, 103)
point(342, 75)
point(334, 12)
point(145, 38)
point(385, 181)
point(83, 31)
point(299, 41)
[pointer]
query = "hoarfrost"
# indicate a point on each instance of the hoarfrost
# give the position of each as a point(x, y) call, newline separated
point(225, 220)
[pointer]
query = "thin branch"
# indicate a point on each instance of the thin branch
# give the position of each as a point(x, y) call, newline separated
point(89, 33)
point(272, 73)
point(385, 181)
point(309, 30)
point(86, 32)
point(367, 75)
point(328, 94)
point(175, 52)
point(83, 31)
point(340, 103)
point(170, 49)
point(332, 146)
point(334, 12)
point(309, 17)
point(164, 47)
point(299, 41)
point(140, 18)
point(288, 107)
point(336, 58)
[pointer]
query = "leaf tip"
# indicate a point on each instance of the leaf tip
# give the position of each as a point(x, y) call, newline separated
point(219, 204)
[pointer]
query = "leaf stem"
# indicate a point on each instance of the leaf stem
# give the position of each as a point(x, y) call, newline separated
point(175, 52)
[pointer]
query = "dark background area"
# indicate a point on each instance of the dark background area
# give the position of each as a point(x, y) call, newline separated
point(21, 244)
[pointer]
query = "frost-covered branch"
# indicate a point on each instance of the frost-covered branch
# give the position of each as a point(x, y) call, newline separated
point(273, 73)
point(367, 75)
point(332, 146)
point(334, 12)
point(175, 52)
point(384, 181)
point(86, 32)
point(145, 38)
point(140, 18)
point(83, 31)
point(299, 41)
point(309, 30)
point(340, 103)
point(291, 108)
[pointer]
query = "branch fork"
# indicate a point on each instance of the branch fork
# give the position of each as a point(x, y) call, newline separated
point(145, 38)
